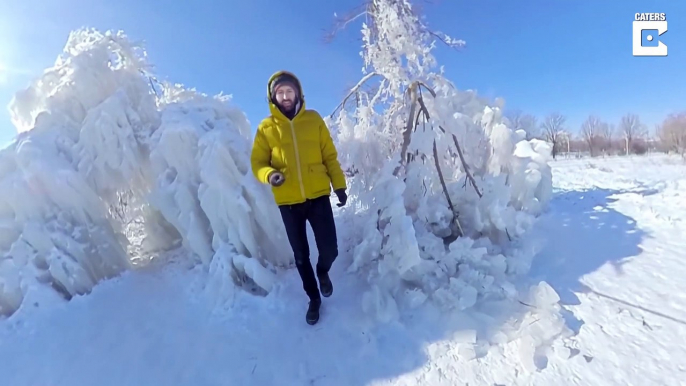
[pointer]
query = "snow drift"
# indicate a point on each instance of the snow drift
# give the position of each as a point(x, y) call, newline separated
point(112, 167)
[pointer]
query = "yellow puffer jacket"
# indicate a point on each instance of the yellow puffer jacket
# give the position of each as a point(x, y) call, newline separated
point(301, 149)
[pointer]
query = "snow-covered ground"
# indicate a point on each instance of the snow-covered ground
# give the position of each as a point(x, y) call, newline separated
point(616, 254)
point(612, 246)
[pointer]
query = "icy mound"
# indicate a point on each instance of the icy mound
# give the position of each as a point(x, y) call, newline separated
point(443, 189)
point(106, 171)
point(204, 181)
point(409, 246)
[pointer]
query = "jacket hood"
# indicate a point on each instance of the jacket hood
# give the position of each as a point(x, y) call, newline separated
point(272, 106)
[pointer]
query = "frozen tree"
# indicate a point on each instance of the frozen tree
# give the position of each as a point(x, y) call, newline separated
point(441, 183)
point(70, 175)
point(108, 172)
point(631, 128)
point(552, 126)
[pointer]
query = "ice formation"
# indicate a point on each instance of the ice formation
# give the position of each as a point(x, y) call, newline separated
point(112, 167)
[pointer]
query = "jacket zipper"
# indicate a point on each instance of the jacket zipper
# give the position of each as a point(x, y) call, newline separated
point(297, 159)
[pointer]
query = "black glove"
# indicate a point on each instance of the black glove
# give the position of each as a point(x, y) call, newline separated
point(276, 179)
point(342, 197)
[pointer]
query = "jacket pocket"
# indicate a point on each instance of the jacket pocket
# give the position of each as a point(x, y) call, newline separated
point(319, 180)
point(318, 169)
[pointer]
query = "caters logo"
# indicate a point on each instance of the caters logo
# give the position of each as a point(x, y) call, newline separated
point(647, 29)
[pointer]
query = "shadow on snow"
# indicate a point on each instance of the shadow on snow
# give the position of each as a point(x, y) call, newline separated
point(582, 233)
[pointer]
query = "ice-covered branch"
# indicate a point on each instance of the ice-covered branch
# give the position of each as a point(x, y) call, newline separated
point(353, 91)
point(407, 132)
point(465, 166)
point(445, 189)
point(457, 144)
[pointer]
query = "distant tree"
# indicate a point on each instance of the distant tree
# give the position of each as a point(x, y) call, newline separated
point(521, 121)
point(609, 132)
point(631, 128)
point(566, 139)
point(639, 146)
point(577, 145)
point(552, 126)
point(594, 132)
point(672, 133)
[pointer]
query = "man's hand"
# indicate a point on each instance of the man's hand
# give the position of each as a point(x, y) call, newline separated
point(342, 197)
point(276, 179)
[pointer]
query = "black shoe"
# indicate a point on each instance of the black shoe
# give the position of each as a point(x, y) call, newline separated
point(325, 285)
point(312, 316)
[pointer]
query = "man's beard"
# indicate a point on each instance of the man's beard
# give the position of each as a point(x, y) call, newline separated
point(289, 108)
point(289, 112)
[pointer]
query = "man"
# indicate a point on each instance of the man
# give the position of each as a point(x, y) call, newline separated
point(294, 153)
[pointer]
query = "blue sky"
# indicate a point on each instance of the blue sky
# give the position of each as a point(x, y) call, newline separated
point(541, 56)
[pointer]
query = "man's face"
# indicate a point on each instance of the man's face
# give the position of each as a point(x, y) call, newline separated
point(286, 96)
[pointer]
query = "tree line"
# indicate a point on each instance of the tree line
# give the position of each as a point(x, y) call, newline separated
point(597, 137)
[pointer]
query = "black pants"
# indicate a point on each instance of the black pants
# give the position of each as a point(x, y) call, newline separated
point(320, 215)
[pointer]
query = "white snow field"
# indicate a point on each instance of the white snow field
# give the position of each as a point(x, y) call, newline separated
point(614, 251)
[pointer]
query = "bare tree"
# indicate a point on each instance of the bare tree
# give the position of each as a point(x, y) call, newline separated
point(593, 131)
point(610, 131)
point(672, 133)
point(552, 127)
point(566, 140)
point(521, 121)
point(631, 128)
point(577, 145)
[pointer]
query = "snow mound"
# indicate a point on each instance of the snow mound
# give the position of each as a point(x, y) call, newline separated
point(111, 166)
point(442, 189)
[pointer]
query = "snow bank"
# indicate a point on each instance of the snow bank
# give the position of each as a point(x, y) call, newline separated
point(427, 230)
point(106, 171)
